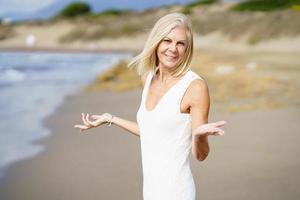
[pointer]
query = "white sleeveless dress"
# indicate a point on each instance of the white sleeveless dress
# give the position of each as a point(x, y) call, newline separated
point(166, 141)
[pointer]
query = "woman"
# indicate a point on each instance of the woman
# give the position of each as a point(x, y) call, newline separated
point(172, 119)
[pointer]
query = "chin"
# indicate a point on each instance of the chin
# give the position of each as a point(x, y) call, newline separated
point(170, 64)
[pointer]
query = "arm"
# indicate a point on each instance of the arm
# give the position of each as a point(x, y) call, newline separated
point(127, 125)
point(98, 120)
point(199, 105)
point(130, 126)
point(199, 108)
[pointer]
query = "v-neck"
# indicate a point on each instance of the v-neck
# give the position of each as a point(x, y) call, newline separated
point(163, 96)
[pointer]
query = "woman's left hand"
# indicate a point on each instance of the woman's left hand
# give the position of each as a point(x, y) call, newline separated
point(210, 129)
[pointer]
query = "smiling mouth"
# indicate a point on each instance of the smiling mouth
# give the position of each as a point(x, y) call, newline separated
point(173, 57)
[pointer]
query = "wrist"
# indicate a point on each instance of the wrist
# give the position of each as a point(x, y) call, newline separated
point(110, 120)
point(203, 135)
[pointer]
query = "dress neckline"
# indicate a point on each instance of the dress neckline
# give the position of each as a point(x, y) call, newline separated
point(163, 96)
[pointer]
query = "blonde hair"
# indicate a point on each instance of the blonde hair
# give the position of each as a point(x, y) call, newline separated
point(147, 59)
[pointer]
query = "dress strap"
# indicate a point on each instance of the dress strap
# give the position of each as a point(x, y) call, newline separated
point(181, 90)
point(146, 86)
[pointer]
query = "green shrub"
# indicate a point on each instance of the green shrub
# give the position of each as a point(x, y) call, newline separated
point(112, 12)
point(187, 9)
point(207, 1)
point(254, 39)
point(264, 5)
point(75, 9)
point(295, 7)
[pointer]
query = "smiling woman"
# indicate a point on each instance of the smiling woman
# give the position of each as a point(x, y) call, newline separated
point(167, 33)
point(166, 51)
point(172, 118)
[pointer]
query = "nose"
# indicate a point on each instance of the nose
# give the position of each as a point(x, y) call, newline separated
point(172, 47)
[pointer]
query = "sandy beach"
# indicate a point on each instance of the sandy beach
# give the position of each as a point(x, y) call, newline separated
point(256, 159)
point(252, 69)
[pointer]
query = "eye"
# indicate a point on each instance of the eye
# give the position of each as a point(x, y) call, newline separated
point(167, 40)
point(181, 43)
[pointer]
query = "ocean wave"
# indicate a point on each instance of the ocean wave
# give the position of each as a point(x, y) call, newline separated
point(12, 76)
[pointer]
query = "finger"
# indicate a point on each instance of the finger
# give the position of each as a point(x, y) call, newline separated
point(220, 123)
point(84, 119)
point(81, 126)
point(78, 126)
point(93, 123)
point(219, 132)
point(88, 120)
point(87, 117)
point(213, 130)
point(95, 116)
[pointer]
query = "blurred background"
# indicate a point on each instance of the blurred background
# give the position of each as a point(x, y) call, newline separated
point(59, 58)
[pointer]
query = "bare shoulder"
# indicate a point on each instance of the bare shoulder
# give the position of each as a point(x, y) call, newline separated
point(198, 85)
point(144, 77)
point(198, 90)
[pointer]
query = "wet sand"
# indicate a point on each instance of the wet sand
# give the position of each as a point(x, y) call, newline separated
point(256, 159)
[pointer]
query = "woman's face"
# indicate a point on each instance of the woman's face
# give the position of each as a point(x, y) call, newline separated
point(171, 49)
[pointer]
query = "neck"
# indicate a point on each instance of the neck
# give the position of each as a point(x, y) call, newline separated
point(164, 74)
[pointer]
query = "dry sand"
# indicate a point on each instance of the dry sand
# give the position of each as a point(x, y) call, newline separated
point(256, 159)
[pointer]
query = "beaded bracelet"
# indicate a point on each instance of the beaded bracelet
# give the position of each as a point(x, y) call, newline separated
point(110, 121)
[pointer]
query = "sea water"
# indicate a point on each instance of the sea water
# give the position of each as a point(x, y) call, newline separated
point(32, 85)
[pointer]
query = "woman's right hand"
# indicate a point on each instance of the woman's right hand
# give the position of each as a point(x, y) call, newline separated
point(214, 128)
point(98, 120)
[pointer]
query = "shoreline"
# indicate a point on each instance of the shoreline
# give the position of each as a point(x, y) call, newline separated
point(223, 48)
point(63, 50)
point(41, 131)
point(53, 123)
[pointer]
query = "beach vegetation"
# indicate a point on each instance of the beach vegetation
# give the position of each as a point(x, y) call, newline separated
point(7, 31)
point(75, 9)
point(248, 90)
point(114, 12)
point(234, 25)
point(295, 7)
point(254, 39)
point(187, 9)
point(265, 5)
point(122, 29)
point(74, 35)
point(117, 78)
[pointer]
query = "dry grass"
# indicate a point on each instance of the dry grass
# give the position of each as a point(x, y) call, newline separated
point(7, 31)
point(239, 90)
point(255, 26)
point(128, 24)
point(242, 89)
point(118, 78)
